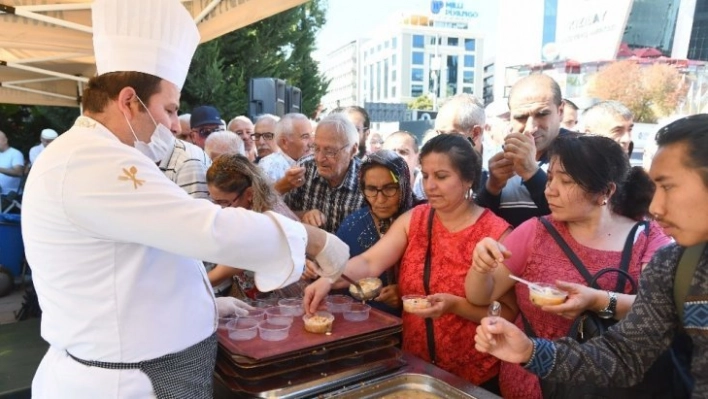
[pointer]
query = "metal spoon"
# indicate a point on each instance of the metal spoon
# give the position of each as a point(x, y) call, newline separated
point(494, 311)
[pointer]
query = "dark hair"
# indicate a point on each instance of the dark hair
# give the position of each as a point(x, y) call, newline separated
point(355, 108)
point(463, 157)
point(692, 131)
point(595, 162)
point(398, 167)
point(103, 88)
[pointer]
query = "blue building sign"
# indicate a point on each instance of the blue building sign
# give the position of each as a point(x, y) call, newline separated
point(451, 9)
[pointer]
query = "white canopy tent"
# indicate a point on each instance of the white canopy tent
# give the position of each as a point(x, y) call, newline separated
point(46, 51)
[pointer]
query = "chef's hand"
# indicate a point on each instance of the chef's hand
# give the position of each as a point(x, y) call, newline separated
point(503, 340)
point(332, 258)
point(314, 294)
point(390, 296)
point(314, 218)
point(229, 306)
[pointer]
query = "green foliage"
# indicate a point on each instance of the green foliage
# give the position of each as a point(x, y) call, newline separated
point(422, 102)
point(279, 47)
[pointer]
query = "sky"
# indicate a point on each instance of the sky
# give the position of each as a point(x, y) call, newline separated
point(348, 20)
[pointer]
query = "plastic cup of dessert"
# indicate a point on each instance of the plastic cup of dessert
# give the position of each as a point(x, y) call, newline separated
point(412, 303)
point(263, 303)
point(275, 329)
point(357, 312)
point(542, 294)
point(370, 288)
point(338, 303)
point(242, 329)
point(223, 321)
point(319, 323)
point(292, 306)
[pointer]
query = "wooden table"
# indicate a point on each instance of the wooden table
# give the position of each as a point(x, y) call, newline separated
point(21, 350)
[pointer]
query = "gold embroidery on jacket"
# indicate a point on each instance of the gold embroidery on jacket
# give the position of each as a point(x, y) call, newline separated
point(132, 176)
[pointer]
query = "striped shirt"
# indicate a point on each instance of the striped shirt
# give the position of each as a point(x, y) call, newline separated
point(336, 203)
point(187, 166)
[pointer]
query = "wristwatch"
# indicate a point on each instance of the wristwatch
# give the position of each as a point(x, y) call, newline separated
point(611, 309)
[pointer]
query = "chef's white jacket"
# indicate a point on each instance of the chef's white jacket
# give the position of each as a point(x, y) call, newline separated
point(115, 250)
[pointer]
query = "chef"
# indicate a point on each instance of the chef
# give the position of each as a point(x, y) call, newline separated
point(115, 246)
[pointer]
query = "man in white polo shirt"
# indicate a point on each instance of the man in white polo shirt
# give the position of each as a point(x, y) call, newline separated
point(12, 166)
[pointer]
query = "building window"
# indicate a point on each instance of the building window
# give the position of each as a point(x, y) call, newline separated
point(393, 75)
point(453, 41)
point(417, 74)
point(385, 77)
point(452, 62)
point(386, 44)
point(394, 42)
point(416, 90)
point(470, 45)
point(417, 58)
point(468, 77)
point(418, 41)
point(469, 61)
point(393, 59)
point(393, 91)
point(467, 90)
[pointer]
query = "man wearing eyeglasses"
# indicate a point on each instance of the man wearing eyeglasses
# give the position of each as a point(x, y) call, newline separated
point(330, 191)
point(293, 135)
point(204, 121)
point(264, 135)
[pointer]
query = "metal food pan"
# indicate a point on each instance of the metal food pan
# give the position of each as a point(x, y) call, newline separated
point(401, 383)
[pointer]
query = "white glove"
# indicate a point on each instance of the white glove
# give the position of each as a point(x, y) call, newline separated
point(332, 258)
point(228, 306)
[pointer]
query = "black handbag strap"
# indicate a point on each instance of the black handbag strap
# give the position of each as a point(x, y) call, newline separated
point(429, 332)
point(589, 278)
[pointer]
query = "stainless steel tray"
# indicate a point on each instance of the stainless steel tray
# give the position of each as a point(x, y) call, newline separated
point(403, 382)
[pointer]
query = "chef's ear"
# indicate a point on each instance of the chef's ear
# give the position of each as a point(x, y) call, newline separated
point(126, 101)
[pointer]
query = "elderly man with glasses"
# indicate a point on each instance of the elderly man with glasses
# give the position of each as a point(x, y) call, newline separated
point(204, 121)
point(293, 136)
point(264, 135)
point(329, 192)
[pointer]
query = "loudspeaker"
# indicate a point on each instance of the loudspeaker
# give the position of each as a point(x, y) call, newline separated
point(266, 96)
point(293, 99)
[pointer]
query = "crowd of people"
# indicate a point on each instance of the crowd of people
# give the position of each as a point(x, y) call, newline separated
point(534, 188)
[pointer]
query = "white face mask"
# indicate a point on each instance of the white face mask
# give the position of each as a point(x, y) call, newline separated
point(161, 141)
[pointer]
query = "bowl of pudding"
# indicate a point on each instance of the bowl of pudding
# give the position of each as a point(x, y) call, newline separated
point(542, 294)
point(411, 303)
point(370, 288)
point(318, 323)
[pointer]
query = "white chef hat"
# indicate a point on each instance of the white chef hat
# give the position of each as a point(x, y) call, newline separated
point(49, 134)
point(157, 37)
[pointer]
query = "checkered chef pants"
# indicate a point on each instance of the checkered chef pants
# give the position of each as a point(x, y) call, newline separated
point(185, 374)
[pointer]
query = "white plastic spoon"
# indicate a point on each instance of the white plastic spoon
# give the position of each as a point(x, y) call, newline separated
point(531, 285)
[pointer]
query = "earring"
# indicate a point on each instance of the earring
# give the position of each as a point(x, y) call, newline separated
point(604, 201)
point(469, 194)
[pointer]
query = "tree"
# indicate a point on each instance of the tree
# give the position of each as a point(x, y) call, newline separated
point(650, 92)
point(279, 46)
point(422, 102)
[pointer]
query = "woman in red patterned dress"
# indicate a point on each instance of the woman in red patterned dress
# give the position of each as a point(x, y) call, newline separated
point(596, 198)
point(451, 171)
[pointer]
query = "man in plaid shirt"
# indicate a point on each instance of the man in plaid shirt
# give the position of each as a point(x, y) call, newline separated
point(329, 192)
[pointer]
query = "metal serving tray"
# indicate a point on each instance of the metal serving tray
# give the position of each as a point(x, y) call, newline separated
point(398, 383)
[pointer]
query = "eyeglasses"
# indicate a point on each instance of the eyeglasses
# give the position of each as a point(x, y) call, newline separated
point(266, 136)
point(387, 191)
point(327, 153)
point(227, 203)
point(207, 131)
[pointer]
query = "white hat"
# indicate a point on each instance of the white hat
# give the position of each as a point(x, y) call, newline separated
point(49, 134)
point(157, 37)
